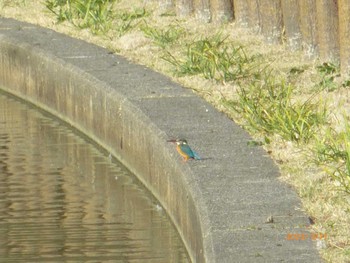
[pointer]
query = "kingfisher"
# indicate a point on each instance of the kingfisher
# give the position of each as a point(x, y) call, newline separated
point(184, 150)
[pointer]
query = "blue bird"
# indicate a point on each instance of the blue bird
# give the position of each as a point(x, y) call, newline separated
point(184, 150)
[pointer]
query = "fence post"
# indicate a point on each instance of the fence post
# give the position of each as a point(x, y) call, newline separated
point(290, 10)
point(254, 15)
point(344, 35)
point(184, 7)
point(222, 10)
point(202, 10)
point(241, 12)
point(308, 27)
point(327, 26)
point(165, 5)
point(271, 20)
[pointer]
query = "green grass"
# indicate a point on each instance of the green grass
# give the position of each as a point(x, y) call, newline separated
point(214, 58)
point(163, 37)
point(264, 102)
point(330, 77)
point(97, 15)
point(94, 14)
point(329, 72)
point(332, 152)
point(127, 20)
point(267, 107)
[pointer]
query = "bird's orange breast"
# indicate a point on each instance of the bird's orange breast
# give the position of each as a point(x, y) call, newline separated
point(184, 155)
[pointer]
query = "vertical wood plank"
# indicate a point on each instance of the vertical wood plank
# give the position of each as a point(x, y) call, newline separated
point(184, 7)
point(344, 35)
point(271, 20)
point(222, 10)
point(290, 10)
point(327, 26)
point(202, 10)
point(241, 12)
point(254, 15)
point(165, 5)
point(308, 27)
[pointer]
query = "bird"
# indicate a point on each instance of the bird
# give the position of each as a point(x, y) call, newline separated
point(185, 150)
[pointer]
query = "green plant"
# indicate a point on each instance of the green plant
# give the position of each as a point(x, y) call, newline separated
point(93, 14)
point(346, 83)
point(333, 153)
point(329, 72)
point(163, 37)
point(127, 20)
point(214, 58)
point(267, 106)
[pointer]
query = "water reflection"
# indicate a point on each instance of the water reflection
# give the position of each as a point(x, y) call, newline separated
point(62, 200)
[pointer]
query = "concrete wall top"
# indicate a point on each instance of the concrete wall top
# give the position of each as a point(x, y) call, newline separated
point(219, 204)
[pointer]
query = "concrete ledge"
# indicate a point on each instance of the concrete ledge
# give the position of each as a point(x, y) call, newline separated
point(220, 204)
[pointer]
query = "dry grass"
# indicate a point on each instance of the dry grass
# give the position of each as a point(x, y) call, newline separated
point(141, 41)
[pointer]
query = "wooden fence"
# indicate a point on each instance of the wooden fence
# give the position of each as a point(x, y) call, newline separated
point(319, 27)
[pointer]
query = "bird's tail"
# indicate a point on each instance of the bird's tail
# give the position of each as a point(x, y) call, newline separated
point(196, 156)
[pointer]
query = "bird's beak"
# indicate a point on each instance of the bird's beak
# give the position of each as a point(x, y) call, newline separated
point(172, 140)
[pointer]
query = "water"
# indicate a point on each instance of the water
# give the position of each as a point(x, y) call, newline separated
point(63, 200)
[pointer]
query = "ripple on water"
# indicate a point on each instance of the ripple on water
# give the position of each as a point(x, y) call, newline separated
point(61, 199)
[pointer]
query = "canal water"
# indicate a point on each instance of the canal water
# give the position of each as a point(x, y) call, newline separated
point(63, 200)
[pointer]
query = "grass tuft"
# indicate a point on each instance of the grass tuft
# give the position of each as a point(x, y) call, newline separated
point(332, 151)
point(214, 58)
point(267, 107)
point(163, 37)
point(127, 20)
point(329, 73)
point(93, 14)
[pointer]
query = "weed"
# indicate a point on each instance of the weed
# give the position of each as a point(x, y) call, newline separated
point(333, 153)
point(214, 58)
point(60, 8)
point(93, 14)
point(327, 68)
point(267, 107)
point(346, 83)
point(129, 20)
point(163, 37)
point(329, 72)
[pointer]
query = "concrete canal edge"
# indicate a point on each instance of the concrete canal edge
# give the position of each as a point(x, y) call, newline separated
point(220, 204)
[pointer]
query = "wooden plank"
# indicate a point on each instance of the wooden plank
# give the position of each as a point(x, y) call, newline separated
point(271, 20)
point(202, 10)
point(327, 26)
point(241, 12)
point(344, 35)
point(184, 7)
point(222, 10)
point(290, 10)
point(308, 27)
point(254, 15)
point(166, 5)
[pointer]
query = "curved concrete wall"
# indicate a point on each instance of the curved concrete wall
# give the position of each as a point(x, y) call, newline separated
point(220, 204)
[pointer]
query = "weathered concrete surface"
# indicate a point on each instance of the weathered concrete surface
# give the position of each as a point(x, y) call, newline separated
point(219, 204)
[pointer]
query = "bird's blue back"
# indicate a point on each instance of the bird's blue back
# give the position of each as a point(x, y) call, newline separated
point(187, 150)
